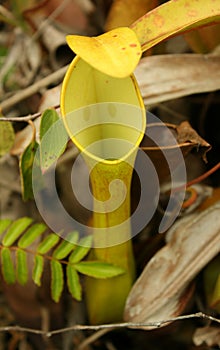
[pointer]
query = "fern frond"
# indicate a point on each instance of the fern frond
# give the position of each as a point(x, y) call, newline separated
point(7, 265)
point(73, 282)
point(81, 250)
point(48, 243)
point(31, 235)
point(66, 246)
point(15, 230)
point(4, 225)
point(38, 269)
point(21, 266)
point(57, 280)
point(22, 233)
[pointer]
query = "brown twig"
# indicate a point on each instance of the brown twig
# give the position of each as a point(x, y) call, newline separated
point(34, 88)
point(25, 118)
point(111, 326)
point(199, 178)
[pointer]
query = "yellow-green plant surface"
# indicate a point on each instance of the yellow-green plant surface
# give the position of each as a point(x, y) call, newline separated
point(93, 88)
point(102, 73)
point(116, 52)
point(174, 17)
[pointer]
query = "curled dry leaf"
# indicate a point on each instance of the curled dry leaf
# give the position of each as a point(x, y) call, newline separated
point(159, 294)
point(207, 335)
point(24, 137)
point(184, 139)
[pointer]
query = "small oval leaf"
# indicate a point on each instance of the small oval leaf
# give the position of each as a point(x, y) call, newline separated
point(7, 266)
point(38, 269)
point(81, 250)
point(26, 164)
point(98, 269)
point(21, 266)
point(48, 243)
point(4, 224)
point(66, 246)
point(73, 282)
point(56, 280)
point(54, 138)
point(32, 233)
point(48, 118)
point(15, 230)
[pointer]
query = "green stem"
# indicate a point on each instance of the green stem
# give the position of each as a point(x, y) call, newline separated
point(106, 298)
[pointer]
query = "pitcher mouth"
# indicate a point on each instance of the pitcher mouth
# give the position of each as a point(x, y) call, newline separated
point(107, 132)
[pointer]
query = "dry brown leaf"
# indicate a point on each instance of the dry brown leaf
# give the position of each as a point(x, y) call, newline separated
point(165, 77)
point(24, 137)
point(50, 98)
point(185, 139)
point(158, 294)
point(207, 335)
point(72, 14)
point(53, 19)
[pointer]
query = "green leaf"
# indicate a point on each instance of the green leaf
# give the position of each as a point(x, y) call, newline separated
point(7, 137)
point(26, 164)
point(48, 118)
point(172, 18)
point(48, 243)
point(73, 282)
point(7, 266)
point(32, 233)
point(15, 230)
point(22, 266)
point(98, 269)
point(81, 250)
point(53, 138)
point(38, 269)
point(4, 225)
point(65, 247)
point(56, 280)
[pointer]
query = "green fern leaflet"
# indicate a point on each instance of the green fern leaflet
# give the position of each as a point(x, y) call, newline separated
point(16, 246)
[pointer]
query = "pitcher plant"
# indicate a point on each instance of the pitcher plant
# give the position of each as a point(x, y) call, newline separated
point(105, 118)
point(104, 115)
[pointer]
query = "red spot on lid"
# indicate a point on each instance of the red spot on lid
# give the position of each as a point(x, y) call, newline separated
point(133, 45)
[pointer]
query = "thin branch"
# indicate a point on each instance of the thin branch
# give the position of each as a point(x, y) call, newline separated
point(34, 88)
point(25, 118)
point(32, 252)
point(199, 178)
point(203, 176)
point(111, 326)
